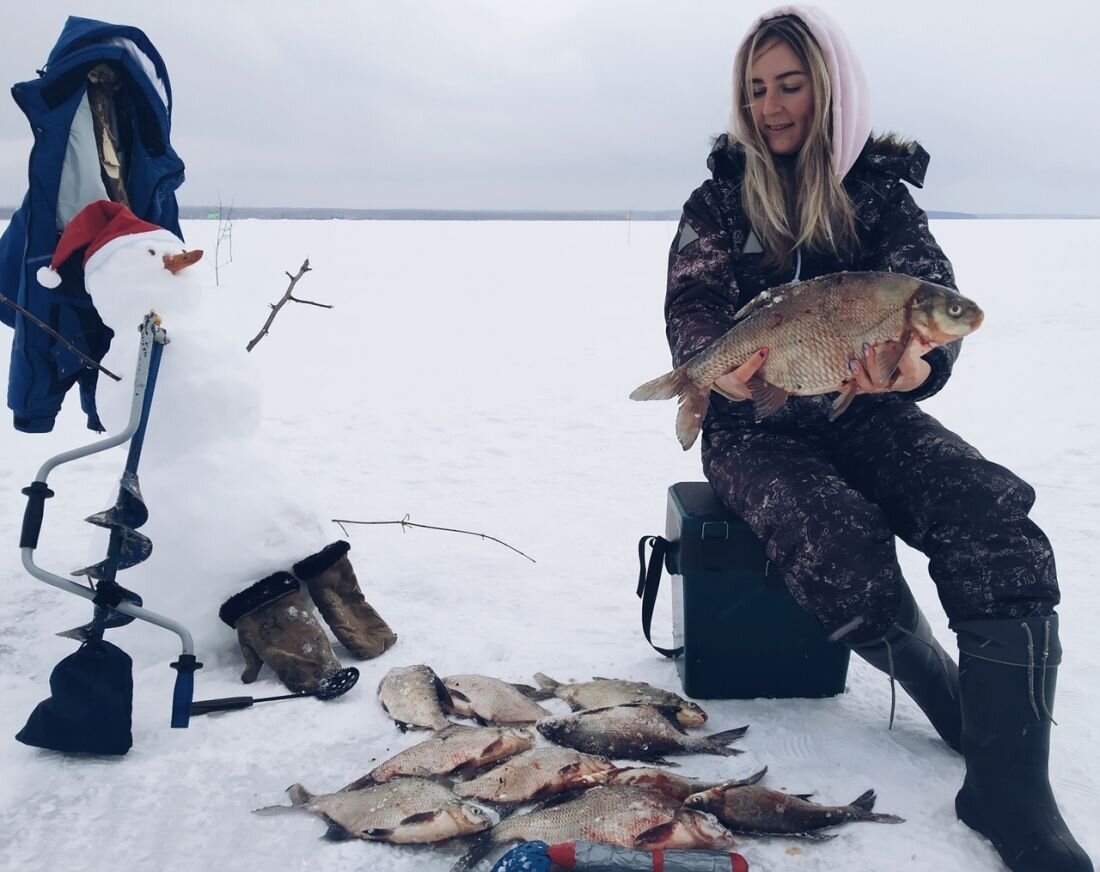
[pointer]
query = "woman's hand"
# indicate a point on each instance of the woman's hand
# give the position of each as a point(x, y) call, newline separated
point(735, 385)
point(911, 372)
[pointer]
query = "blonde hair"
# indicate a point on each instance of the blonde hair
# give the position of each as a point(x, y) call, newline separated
point(805, 204)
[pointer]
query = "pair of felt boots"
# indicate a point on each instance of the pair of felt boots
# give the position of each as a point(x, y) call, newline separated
point(276, 625)
point(995, 708)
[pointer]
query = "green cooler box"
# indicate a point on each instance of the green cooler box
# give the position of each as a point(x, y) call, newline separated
point(743, 634)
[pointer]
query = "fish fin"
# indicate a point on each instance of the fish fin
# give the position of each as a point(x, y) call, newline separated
point(453, 695)
point(298, 795)
point(546, 682)
point(654, 837)
point(270, 810)
point(812, 836)
point(888, 355)
point(760, 301)
point(766, 397)
point(442, 692)
point(844, 399)
point(336, 833)
point(403, 726)
point(693, 409)
point(375, 834)
point(661, 761)
point(755, 778)
point(536, 694)
point(669, 713)
point(875, 817)
point(575, 706)
point(358, 784)
point(865, 801)
point(805, 797)
point(421, 817)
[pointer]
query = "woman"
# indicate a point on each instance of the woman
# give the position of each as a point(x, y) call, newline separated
point(800, 189)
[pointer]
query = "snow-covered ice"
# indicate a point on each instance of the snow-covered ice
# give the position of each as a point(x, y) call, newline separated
point(475, 375)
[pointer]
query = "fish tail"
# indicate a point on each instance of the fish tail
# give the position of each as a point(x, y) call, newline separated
point(694, 401)
point(298, 795)
point(727, 736)
point(546, 682)
point(479, 848)
point(665, 387)
point(716, 742)
point(755, 778)
point(865, 801)
point(863, 805)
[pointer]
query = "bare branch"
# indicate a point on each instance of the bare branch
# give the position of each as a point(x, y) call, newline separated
point(83, 357)
point(405, 522)
point(288, 297)
point(310, 303)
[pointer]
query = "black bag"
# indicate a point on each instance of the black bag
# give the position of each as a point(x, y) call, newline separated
point(90, 704)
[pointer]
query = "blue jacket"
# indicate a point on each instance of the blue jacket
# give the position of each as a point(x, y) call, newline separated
point(42, 369)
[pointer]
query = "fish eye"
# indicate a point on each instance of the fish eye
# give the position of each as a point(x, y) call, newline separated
point(152, 252)
point(954, 310)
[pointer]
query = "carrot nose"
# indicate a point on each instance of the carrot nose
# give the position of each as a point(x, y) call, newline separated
point(176, 262)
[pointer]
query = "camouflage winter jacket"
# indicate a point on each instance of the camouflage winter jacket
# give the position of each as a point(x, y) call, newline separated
point(714, 265)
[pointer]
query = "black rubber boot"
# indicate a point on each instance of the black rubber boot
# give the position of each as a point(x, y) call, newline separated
point(910, 655)
point(1008, 669)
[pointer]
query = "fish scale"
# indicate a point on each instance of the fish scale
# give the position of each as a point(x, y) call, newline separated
point(812, 330)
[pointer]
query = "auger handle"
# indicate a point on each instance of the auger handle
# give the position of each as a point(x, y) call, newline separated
point(185, 689)
point(37, 493)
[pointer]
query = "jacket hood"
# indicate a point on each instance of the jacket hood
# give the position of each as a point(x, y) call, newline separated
point(851, 98)
point(79, 33)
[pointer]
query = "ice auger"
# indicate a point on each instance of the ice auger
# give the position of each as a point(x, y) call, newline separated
point(114, 605)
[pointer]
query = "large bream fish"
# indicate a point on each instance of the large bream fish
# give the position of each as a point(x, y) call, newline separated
point(625, 816)
point(812, 330)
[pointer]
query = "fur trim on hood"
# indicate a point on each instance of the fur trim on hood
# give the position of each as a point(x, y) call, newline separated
point(851, 94)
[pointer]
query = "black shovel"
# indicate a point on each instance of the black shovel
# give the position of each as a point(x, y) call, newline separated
point(328, 688)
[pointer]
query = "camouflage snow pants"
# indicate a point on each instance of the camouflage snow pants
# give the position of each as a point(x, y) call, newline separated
point(827, 503)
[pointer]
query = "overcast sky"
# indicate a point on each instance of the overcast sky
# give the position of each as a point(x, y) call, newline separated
point(574, 104)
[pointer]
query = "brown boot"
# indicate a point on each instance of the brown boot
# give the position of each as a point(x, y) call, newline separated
point(332, 584)
point(275, 625)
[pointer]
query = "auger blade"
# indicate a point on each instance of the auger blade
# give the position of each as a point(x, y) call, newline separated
point(128, 511)
point(133, 548)
point(105, 618)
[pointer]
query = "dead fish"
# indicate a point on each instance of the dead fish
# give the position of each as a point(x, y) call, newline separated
point(625, 816)
point(405, 811)
point(812, 329)
point(415, 698)
point(636, 732)
point(603, 692)
point(534, 775)
point(491, 700)
point(750, 808)
point(456, 750)
point(678, 787)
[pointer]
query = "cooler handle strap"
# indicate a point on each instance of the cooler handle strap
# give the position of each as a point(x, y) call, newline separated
point(649, 580)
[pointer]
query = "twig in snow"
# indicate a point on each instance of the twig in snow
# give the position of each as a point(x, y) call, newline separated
point(288, 297)
point(405, 522)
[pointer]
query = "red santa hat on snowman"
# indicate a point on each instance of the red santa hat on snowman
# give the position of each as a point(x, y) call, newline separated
point(103, 227)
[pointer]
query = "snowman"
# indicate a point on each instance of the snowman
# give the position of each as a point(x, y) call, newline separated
point(231, 524)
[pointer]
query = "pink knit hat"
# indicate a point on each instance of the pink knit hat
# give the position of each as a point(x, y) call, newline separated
point(851, 95)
